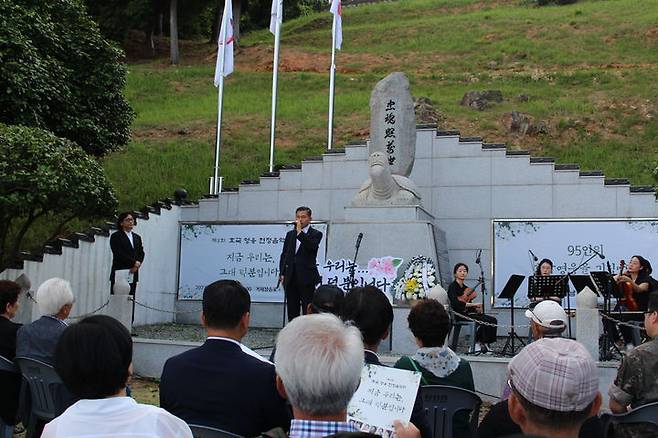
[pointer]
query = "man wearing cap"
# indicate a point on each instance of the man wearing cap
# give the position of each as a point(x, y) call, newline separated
point(547, 320)
point(554, 388)
point(636, 383)
point(498, 421)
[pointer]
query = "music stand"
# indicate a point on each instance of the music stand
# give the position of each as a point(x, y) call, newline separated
point(547, 286)
point(508, 293)
point(606, 287)
point(580, 282)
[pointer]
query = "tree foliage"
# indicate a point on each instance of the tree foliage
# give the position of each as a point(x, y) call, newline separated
point(42, 175)
point(58, 73)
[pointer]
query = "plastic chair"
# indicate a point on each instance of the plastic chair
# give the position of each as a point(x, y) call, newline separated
point(457, 328)
point(7, 430)
point(642, 414)
point(199, 431)
point(44, 384)
point(441, 403)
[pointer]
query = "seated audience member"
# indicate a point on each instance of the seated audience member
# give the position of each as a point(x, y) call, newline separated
point(554, 388)
point(372, 313)
point(94, 360)
point(9, 382)
point(547, 320)
point(327, 298)
point(636, 383)
point(38, 339)
point(219, 384)
point(318, 366)
point(430, 324)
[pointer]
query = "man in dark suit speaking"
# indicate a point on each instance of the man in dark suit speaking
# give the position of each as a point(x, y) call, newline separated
point(297, 266)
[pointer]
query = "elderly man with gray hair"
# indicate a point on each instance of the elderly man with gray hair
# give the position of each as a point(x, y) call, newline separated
point(318, 365)
point(38, 339)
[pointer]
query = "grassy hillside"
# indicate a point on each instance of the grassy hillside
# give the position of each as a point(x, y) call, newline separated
point(589, 70)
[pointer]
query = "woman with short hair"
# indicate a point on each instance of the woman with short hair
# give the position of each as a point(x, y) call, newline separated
point(438, 364)
point(94, 360)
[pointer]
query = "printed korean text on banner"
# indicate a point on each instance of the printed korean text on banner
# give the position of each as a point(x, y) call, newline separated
point(381, 272)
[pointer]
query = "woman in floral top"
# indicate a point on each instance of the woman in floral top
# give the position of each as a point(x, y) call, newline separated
point(429, 322)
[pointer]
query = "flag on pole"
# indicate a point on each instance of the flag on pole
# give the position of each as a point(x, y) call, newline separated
point(337, 10)
point(276, 15)
point(225, 44)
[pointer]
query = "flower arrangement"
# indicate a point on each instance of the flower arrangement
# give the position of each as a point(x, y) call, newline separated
point(417, 280)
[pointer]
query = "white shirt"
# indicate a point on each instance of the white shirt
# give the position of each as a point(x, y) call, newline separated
point(116, 417)
point(297, 242)
point(130, 237)
point(243, 347)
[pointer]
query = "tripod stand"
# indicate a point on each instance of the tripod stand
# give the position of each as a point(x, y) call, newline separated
point(508, 293)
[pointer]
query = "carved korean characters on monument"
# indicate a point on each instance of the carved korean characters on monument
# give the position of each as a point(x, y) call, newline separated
point(392, 146)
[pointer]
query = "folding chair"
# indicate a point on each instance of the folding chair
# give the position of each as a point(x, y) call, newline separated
point(44, 384)
point(642, 414)
point(441, 403)
point(7, 430)
point(199, 431)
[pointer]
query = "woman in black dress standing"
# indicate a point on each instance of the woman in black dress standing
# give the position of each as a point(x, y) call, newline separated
point(461, 298)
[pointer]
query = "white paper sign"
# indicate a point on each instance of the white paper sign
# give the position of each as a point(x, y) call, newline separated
point(384, 395)
point(125, 274)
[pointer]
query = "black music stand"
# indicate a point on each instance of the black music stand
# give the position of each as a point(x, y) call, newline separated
point(606, 287)
point(580, 282)
point(547, 286)
point(508, 293)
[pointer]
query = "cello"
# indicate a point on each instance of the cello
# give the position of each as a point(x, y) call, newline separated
point(626, 288)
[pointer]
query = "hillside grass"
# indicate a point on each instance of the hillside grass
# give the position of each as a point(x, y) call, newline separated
point(589, 70)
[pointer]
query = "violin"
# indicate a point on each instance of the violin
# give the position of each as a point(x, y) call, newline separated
point(626, 289)
point(469, 294)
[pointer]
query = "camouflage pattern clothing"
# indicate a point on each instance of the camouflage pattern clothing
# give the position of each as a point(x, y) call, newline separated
point(636, 384)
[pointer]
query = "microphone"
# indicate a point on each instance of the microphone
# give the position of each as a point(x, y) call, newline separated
point(358, 239)
point(477, 257)
point(596, 252)
point(534, 257)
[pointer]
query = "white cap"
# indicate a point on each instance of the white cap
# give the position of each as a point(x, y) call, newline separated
point(548, 314)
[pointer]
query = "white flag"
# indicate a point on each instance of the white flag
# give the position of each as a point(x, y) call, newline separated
point(337, 10)
point(225, 42)
point(276, 14)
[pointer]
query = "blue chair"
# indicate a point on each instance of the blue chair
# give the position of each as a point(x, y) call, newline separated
point(44, 385)
point(642, 414)
point(457, 328)
point(441, 403)
point(7, 430)
point(199, 431)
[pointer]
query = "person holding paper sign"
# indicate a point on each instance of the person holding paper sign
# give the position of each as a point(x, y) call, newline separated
point(318, 369)
point(127, 250)
point(298, 266)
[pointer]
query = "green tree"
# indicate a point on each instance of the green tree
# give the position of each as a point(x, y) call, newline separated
point(58, 73)
point(46, 177)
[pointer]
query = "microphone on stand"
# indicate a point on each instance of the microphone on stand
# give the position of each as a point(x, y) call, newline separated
point(477, 257)
point(534, 257)
point(358, 239)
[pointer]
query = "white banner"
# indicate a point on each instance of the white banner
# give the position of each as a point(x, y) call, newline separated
point(381, 272)
point(248, 253)
point(567, 244)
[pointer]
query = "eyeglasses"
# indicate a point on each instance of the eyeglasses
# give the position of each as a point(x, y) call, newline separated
point(649, 312)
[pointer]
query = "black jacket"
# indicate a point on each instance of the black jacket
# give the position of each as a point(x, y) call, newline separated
point(301, 264)
point(124, 255)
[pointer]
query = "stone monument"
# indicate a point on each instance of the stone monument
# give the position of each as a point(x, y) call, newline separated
point(392, 146)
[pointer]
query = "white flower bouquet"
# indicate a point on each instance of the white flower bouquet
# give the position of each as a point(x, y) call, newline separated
point(418, 278)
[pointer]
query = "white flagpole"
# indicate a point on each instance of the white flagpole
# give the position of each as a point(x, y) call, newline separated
point(275, 79)
point(332, 77)
point(216, 181)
